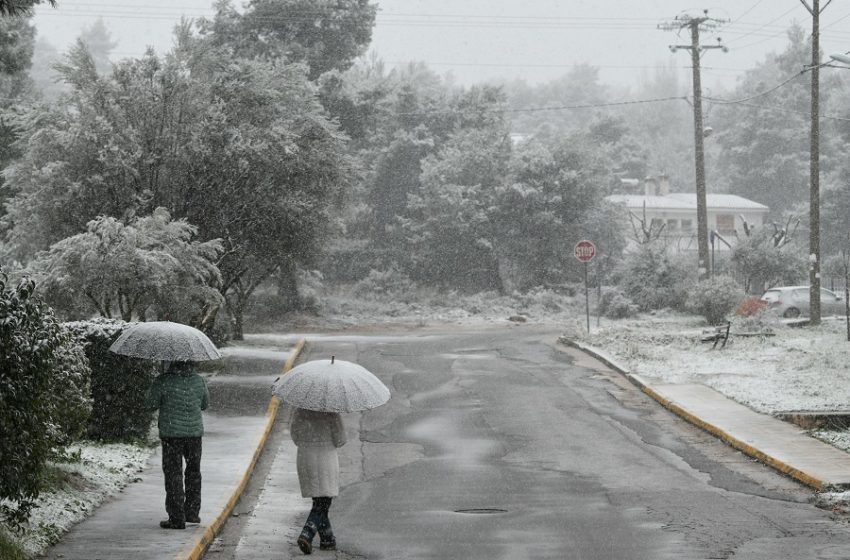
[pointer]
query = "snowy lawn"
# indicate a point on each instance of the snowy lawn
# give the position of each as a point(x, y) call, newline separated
point(78, 487)
point(795, 369)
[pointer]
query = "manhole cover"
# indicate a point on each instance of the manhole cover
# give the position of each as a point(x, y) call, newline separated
point(481, 511)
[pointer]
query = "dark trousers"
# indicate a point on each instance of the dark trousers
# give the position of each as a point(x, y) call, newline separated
point(318, 520)
point(180, 503)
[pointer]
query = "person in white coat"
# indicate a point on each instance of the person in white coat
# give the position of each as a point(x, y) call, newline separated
point(317, 436)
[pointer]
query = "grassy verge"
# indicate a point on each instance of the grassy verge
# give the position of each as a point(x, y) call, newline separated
point(9, 549)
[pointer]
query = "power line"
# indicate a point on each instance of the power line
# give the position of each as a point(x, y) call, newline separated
point(760, 94)
point(771, 22)
point(776, 108)
point(553, 108)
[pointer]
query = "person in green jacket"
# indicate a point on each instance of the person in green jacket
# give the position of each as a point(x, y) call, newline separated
point(180, 394)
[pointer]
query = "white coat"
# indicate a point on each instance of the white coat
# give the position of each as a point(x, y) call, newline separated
point(317, 436)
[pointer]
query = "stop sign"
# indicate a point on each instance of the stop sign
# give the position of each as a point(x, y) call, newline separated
point(585, 250)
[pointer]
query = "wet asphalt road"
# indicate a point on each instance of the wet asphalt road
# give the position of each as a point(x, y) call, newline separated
point(502, 444)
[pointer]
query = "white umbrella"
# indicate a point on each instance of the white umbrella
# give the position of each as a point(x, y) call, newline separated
point(164, 340)
point(332, 386)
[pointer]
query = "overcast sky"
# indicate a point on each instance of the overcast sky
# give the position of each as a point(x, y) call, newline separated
point(532, 39)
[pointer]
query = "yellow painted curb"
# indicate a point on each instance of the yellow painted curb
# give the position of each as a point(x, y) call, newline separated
point(746, 448)
point(742, 446)
point(195, 550)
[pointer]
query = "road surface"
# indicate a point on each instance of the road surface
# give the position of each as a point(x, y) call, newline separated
point(500, 443)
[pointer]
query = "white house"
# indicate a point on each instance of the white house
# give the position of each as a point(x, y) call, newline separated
point(677, 212)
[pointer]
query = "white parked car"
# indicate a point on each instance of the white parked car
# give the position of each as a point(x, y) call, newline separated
point(793, 301)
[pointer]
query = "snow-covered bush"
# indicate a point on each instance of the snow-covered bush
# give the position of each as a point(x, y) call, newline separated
point(653, 279)
point(118, 383)
point(382, 282)
point(714, 298)
point(615, 305)
point(766, 259)
point(762, 321)
point(147, 266)
point(44, 382)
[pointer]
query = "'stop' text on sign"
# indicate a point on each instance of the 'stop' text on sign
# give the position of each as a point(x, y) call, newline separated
point(585, 250)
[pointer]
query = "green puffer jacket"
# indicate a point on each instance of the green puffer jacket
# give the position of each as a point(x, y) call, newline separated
point(180, 396)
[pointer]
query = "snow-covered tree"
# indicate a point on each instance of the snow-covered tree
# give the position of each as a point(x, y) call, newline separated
point(324, 34)
point(239, 148)
point(99, 42)
point(150, 265)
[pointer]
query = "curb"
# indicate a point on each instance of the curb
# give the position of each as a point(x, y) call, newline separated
point(195, 550)
point(728, 438)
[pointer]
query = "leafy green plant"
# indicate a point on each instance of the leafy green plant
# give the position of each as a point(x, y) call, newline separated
point(9, 549)
point(118, 383)
point(44, 400)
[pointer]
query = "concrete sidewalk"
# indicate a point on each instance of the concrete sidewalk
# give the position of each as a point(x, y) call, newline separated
point(775, 442)
point(127, 525)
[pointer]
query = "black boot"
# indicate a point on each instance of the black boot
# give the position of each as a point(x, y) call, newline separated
point(305, 539)
point(327, 541)
point(172, 524)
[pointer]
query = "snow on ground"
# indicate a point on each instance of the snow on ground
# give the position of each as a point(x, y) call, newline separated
point(795, 369)
point(341, 309)
point(102, 471)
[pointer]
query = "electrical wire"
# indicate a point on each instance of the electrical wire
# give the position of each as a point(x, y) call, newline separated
point(757, 95)
point(553, 108)
point(780, 109)
point(771, 22)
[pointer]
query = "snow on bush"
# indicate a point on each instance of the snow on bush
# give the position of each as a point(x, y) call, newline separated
point(714, 298)
point(44, 391)
point(616, 305)
point(118, 383)
point(653, 279)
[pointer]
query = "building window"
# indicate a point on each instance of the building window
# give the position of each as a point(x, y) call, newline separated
point(687, 225)
point(725, 223)
point(655, 225)
point(672, 224)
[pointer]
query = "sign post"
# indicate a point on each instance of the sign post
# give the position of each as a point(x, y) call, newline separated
point(585, 251)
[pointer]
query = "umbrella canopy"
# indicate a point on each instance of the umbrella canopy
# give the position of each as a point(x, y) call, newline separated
point(164, 340)
point(332, 386)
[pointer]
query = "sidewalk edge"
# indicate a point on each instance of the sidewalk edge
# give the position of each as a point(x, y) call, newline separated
point(643, 385)
point(195, 550)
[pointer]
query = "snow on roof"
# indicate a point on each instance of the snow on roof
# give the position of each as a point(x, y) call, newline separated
point(688, 201)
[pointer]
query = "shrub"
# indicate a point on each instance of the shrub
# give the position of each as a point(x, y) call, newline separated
point(118, 383)
point(714, 298)
point(750, 306)
point(44, 381)
point(654, 280)
point(615, 305)
point(762, 321)
point(380, 282)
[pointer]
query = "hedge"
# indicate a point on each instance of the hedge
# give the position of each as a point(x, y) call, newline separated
point(118, 383)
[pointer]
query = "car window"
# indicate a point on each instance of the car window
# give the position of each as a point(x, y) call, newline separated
point(771, 296)
point(826, 294)
point(801, 294)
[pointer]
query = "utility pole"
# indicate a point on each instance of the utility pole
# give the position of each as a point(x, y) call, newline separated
point(814, 167)
point(697, 24)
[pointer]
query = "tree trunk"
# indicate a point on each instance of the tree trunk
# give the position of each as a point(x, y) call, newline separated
point(287, 284)
point(238, 324)
point(236, 309)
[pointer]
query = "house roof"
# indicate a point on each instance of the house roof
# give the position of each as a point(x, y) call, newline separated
point(688, 201)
